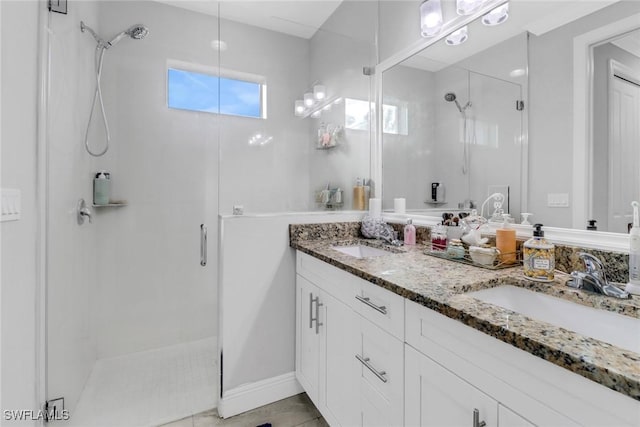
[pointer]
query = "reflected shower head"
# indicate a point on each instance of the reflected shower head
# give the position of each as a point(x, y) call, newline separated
point(451, 97)
point(136, 32)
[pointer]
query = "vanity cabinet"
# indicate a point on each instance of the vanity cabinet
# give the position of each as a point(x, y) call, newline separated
point(368, 357)
point(350, 366)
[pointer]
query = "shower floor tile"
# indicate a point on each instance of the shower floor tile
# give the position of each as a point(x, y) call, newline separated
point(149, 388)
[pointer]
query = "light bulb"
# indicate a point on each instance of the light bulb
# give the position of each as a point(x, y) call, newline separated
point(430, 18)
point(467, 7)
point(319, 92)
point(308, 99)
point(497, 16)
point(458, 37)
point(299, 107)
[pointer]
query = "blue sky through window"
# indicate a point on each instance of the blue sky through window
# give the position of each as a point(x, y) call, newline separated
point(188, 90)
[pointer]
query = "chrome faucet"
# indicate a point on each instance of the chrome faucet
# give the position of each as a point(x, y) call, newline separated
point(594, 279)
point(387, 234)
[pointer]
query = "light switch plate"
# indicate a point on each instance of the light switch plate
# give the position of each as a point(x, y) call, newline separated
point(10, 204)
point(558, 200)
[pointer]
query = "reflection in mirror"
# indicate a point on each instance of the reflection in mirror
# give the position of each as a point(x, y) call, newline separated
point(616, 131)
point(464, 129)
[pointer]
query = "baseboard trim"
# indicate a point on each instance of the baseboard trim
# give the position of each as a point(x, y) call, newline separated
point(260, 393)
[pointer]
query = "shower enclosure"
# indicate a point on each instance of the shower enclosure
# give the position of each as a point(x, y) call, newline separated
point(131, 296)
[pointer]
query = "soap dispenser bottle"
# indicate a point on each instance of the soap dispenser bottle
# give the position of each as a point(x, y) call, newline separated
point(633, 287)
point(539, 259)
point(101, 187)
point(506, 241)
point(409, 233)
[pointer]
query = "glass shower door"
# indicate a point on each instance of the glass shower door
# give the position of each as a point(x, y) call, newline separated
point(131, 295)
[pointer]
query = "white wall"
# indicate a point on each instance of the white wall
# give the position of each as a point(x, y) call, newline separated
point(257, 316)
point(338, 52)
point(272, 177)
point(18, 263)
point(151, 290)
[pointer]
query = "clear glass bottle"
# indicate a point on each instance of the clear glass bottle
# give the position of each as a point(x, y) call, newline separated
point(539, 259)
point(439, 238)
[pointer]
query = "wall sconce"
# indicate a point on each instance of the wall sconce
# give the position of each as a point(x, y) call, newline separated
point(430, 18)
point(314, 102)
point(497, 16)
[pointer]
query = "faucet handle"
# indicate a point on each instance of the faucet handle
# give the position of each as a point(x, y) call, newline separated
point(592, 263)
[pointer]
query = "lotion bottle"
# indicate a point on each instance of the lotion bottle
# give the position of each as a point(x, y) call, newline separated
point(101, 187)
point(633, 287)
point(409, 233)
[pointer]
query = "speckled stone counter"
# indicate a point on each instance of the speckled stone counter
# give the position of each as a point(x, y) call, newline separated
point(441, 285)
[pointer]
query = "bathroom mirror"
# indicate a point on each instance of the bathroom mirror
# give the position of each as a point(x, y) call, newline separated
point(560, 181)
point(453, 128)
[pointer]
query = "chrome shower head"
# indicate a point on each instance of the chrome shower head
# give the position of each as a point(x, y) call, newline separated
point(451, 97)
point(136, 32)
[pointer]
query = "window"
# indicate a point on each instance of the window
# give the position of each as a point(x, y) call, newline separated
point(357, 113)
point(206, 92)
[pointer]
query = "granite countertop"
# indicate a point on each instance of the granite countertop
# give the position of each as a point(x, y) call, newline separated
point(441, 284)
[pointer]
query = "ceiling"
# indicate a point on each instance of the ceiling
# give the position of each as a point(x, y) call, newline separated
point(630, 43)
point(300, 18)
point(535, 16)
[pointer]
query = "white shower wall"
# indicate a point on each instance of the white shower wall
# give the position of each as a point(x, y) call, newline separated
point(151, 289)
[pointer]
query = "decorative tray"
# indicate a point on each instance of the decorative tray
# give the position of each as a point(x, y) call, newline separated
point(501, 261)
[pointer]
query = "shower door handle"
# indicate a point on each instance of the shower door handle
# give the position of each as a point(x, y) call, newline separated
point(203, 245)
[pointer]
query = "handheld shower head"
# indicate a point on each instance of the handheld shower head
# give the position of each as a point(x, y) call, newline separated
point(450, 97)
point(136, 32)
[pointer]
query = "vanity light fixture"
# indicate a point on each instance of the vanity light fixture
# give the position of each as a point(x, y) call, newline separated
point(467, 7)
point(430, 18)
point(458, 37)
point(497, 16)
point(319, 92)
point(299, 107)
point(309, 100)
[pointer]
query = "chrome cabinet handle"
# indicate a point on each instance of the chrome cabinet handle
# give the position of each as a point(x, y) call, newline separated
point(366, 300)
point(379, 374)
point(311, 318)
point(476, 419)
point(203, 245)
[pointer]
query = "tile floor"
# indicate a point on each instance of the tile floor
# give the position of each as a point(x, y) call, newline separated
point(149, 388)
point(296, 411)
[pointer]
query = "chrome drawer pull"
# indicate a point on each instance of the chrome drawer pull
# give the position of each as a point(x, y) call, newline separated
point(382, 309)
point(365, 362)
point(311, 318)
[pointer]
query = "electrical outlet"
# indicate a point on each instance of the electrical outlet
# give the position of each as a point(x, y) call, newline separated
point(558, 200)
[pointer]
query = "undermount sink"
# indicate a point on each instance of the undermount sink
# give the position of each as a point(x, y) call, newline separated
point(361, 251)
point(613, 328)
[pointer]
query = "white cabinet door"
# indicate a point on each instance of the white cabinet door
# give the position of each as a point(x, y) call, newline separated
point(436, 397)
point(508, 418)
point(307, 337)
point(381, 376)
point(339, 369)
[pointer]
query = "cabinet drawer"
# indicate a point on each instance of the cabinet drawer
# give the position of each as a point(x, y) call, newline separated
point(380, 306)
point(330, 279)
point(381, 375)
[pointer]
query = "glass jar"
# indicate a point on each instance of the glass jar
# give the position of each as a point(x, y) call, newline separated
point(439, 238)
